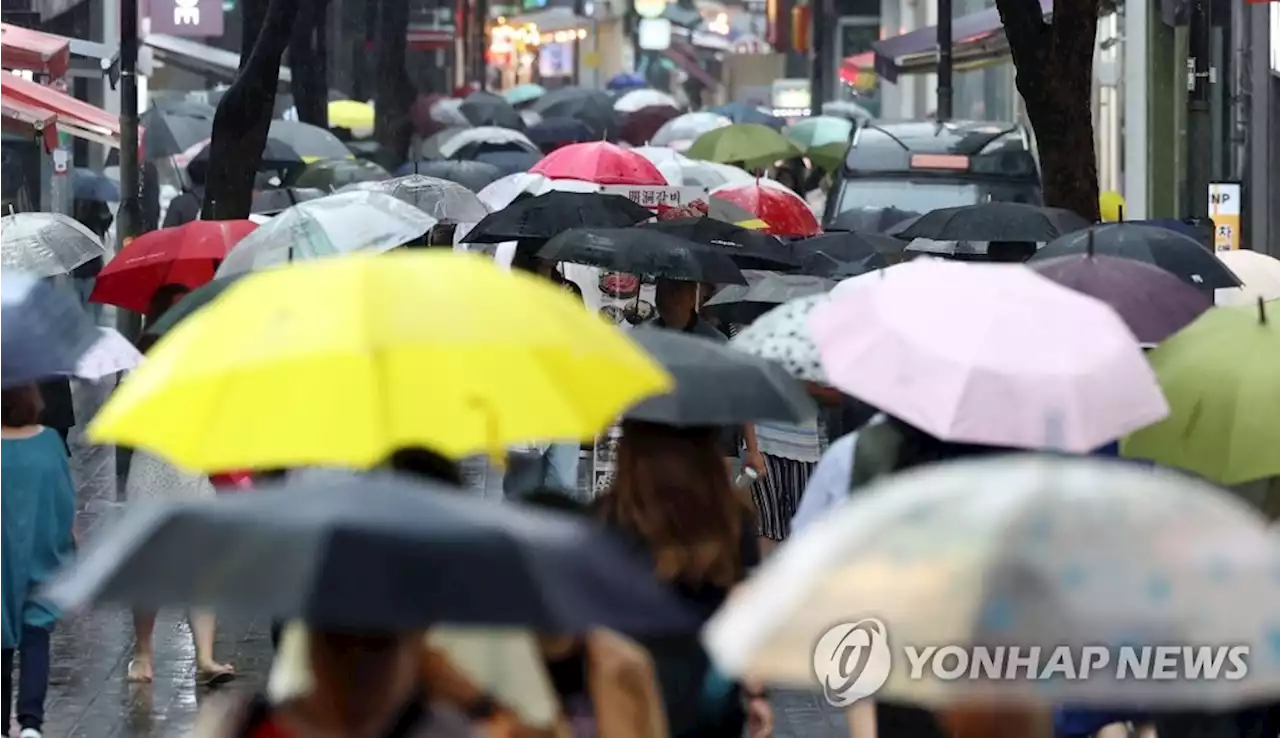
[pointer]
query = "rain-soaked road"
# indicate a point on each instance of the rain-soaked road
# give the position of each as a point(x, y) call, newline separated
point(90, 698)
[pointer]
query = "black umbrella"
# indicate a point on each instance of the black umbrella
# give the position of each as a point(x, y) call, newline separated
point(870, 220)
point(764, 291)
point(553, 213)
point(1173, 252)
point(717, 385)
point(832, 253)
point(487, 109)
point(991, 221)
point(509, 162)
point(368, 150)
point(272, 201)
point(379, 553)
point(643, 253)
point(181, 106)
point(473, 175)
point(552, 133)
point(749, 249)
point(277, 156)
point(592, 107)
point(173, 131)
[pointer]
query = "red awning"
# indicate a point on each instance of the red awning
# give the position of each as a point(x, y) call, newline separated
point(74, 117)
point(29, 120)
point(35, 51)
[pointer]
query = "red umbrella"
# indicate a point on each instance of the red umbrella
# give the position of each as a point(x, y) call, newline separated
point(600, 162)
point(638, 127)
point(786, 213)
point(187, 255)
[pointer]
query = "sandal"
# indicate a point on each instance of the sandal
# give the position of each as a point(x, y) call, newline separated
point(216, 676)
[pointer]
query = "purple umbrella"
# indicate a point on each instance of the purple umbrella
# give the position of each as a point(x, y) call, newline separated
point(1152, 302)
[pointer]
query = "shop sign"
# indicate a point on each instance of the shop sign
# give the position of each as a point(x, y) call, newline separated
point(1224, 211)
point(186, 18)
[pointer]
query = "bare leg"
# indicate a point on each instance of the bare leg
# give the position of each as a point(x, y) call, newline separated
point(203, 630)
point(141, 668)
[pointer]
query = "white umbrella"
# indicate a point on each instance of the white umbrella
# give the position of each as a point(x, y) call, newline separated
point(680, 133)
point(500, 193)
point(486, 135)
point(1259, 272)
point(111, 354)
point(1017, 551)
point(640, 99)
point(782, 335)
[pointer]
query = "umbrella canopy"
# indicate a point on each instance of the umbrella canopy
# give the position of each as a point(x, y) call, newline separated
point(171, 131)
point(524, 93)
point(988, 354)
point(784, 212)
point(368, 150)
point(500, 357)
point(86, 184)
point(333, 174)
point(1259, 272)
point(846, 109)
point(870, 220)
point(430, 147)
point(46, 244)
point(680, 133)
point(991, 221)
point(600, 162)
point(473, 175)
point(466, 144)
point(310, 142)
point(635, 100)
point(487, 109)
point(782, 335)
point(547, 215)
point(190, 303)
point(1180, 255)
point(764, 291)
point(819, 253)
point(749, 249)
point(353, 115)
point(1220, 377)
point(43, 330)
point(1019, 551)
point(187, 255)
point(314, 545)
point(643, 253)
point(431, 113)
point(820, 131)
point(328, 226)
point(1152, 302)
point(717, 386)
point(552, 133)
point(111, 354)
point(509, 162)
point(278, 199)
point(750, 144)
point(740, 112)
point(592, 107)
point(276, 156)
point(446, 201)
point(626, 81)
point(640, 126)
point(503, 192)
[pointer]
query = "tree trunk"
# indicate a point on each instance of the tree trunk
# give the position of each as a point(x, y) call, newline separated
point(244, 115)
point(308, 65)
point(1054, 63)
point(253, 15)
point(394, 92)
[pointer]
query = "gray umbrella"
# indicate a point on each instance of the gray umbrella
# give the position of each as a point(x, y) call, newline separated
point(473, 175)
point(442, 199)
point(45, 330)
point(717, 385)
point(46, 244)
point(764, 291)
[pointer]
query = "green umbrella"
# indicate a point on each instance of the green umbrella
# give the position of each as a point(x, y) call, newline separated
point(190, 303)
point(1221, 376)
point(333, 174)
point(752, 144)
point(820, 131)
point(828, 156)
point(525, 93)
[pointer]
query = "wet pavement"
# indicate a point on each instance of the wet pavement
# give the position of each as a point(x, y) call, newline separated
point(89, 696)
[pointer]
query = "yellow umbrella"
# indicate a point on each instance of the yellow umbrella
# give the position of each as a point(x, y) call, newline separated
point(342, 361)
point(353, 115)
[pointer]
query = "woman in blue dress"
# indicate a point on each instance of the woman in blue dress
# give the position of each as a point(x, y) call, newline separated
point(39, 505)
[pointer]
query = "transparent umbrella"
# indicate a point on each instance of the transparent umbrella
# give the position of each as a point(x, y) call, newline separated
point(442, 199)
point(46, 244)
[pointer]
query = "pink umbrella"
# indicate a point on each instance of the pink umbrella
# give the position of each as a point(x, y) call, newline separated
point(988, 354)
point(600, 162)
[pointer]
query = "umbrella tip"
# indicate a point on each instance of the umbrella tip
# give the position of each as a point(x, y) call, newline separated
point(1262, 311)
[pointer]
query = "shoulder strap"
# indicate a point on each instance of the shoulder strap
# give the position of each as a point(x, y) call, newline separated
point(874, 454)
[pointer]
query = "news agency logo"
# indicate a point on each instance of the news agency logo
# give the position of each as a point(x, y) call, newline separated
point(853, 661)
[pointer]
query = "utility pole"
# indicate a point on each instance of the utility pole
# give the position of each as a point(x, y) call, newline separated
point(945, 90)
point(1199, 116)
point(129, 216)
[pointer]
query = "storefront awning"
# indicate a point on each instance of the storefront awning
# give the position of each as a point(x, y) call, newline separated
point(28, 120)
point(35, 51)
point(74, 117)
point(199, 58)
point(977, 38)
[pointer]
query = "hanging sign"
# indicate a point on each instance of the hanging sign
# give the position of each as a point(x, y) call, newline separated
point(1224, 211)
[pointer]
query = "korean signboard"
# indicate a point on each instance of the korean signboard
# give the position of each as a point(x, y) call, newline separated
point(1224, 211)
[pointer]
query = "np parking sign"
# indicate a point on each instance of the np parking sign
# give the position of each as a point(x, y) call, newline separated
point(1224, 210)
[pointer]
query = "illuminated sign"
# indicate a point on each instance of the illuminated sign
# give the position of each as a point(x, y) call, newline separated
point(650, 9)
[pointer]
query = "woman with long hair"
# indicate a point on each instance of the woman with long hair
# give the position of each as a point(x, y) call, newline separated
point(672, 499)
point(152, 478)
